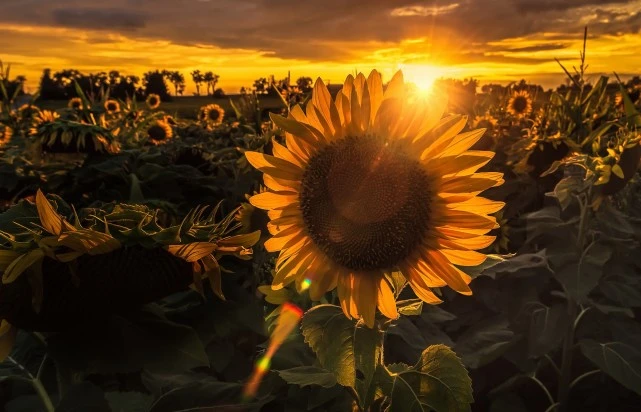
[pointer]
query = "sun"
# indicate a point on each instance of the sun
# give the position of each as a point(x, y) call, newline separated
point(422, 75)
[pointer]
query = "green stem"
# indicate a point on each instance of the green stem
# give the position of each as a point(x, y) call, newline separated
point(585, 375)
point(43, 395)
point(563, 394)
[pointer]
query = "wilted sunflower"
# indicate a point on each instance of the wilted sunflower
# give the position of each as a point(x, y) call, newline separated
point(75, 103)
point(153, 101)
point(112, 106)
point(159, 132)
point(373, 183)
point(212, 114)
point(520, 104)
point(43, 117)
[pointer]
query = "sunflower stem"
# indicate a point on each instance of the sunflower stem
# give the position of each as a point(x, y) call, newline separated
point(565, 379)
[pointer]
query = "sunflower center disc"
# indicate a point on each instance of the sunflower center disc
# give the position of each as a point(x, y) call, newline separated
point(214, 115)
point(520, 104)
point(364, 203)
point(157, 132)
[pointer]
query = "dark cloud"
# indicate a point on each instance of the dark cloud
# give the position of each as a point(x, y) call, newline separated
point(559, 5)
point(101, 19)
point(335, 29)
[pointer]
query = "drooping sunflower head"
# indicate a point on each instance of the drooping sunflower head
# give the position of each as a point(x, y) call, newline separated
point(75, 103)
point(374, 182)
point(112, 106)
point(159, 132)
point(45, 116)
point(520, 104)
point(212, 114)
point(153, 101)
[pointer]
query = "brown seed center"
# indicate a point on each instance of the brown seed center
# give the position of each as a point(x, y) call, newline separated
point(365, 203)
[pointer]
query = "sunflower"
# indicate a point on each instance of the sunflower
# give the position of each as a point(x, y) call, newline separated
point(520, 104)
point(153, 101)
point(75, 103)
point(371, 184)
point(112, 106)
point(5, 134)
point(42, 118)
point(159, 132)
point(212, 114)
point(251, 218)
point(28, 111)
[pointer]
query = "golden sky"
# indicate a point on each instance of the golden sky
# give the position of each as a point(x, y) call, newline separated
point(241, 40)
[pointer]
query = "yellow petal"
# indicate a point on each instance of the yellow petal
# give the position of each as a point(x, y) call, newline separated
point(454, 277)
point(385, 299)
point(276, 167)
point(273, 200)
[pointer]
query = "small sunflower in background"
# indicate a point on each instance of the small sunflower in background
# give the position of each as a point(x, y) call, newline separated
point(112, 106)
point(28, 111)
point(75, 103)
point(153, 101)
point(520, 104)
point(5, 134)
point(159, 132)
point(45, 116)
point(373, 183)
point(212, 114)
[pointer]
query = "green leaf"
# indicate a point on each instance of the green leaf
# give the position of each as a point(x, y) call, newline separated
point(84, 396)
point(579, 278)
point(438, 382)
point(129, 401)
point(623, 289)
point(517, 263)
point(622, 362)
point(345, 348)
point(547, 327)
point(330, 335)
point(484, 342)
point(204, 396)
point(308, 375)
point(410, 307)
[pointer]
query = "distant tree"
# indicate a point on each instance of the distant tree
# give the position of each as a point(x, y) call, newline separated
point(219, 93)
point(304, 84)
point(198, 79)
point(211, 79)
point(177, 79)
point(126, 88)
point(261, 85)
point(49, 90)
point(154, 82)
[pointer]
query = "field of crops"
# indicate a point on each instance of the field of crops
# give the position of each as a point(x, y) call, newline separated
point(374, 249)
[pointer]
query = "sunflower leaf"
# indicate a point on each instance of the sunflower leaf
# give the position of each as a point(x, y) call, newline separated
point(622, 362)
point(330, 335)
point(308, 375)
point(438, 382)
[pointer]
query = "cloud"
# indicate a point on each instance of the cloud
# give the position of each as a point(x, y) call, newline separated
point(423, 11)
point(100, 19)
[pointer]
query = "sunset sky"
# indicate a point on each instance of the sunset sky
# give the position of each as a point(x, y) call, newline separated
point(241, 40)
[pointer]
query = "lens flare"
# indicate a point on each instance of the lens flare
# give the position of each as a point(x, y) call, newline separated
point(305, 284)
point(289, 316)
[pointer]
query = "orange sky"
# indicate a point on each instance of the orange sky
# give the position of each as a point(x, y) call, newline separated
point(244, 40)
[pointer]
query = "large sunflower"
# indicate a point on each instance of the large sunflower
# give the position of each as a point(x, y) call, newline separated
point(371, 183)
point(520, 104)
point(159, 132)
point(153, 101)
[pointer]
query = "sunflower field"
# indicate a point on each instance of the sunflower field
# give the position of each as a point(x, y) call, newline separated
point(368, 249)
